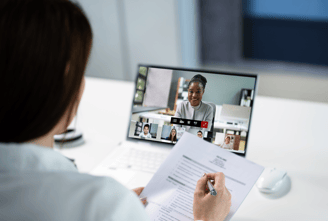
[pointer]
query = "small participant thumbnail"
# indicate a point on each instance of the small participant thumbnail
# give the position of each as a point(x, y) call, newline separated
point(233, 141)
point(145, 130)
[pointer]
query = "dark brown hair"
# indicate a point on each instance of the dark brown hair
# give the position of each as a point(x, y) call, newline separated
point(173, 138)
point(38, 40)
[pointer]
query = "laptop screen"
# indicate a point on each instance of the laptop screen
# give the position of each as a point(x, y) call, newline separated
point(214, 106)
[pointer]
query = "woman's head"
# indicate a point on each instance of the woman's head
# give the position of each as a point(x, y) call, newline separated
point(173, 135)
point(227, 140)
point(173, 132)
point(196, 89)
point(44, 46)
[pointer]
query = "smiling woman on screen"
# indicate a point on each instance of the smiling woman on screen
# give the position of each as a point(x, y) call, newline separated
point(194, 108)
point(44, 49)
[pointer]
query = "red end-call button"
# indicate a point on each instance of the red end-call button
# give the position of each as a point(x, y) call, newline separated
point(204, 124)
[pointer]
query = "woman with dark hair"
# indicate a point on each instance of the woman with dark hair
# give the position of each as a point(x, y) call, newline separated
point(173, 135)
point(44, 47)
point(194, 108)
point(226, 144)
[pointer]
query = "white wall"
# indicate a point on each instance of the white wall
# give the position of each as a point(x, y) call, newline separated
point(305, 83)
point(152, 30)
point(189, 37)
point(129, 32)
point(106, 58)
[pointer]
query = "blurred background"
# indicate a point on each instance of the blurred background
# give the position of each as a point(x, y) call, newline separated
point(284, 41)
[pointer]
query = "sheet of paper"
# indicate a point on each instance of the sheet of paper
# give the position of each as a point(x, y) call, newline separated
point(170, 192)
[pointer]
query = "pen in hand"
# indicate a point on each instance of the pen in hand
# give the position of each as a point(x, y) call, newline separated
point(211, 188)
point(209, 207)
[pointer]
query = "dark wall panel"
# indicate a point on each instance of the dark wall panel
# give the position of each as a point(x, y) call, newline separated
point(220, 30)
point(286, 40)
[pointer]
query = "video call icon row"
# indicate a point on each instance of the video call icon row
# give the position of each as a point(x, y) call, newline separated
point(188, 122)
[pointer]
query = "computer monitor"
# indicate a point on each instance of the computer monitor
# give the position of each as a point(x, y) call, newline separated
point(170, 101)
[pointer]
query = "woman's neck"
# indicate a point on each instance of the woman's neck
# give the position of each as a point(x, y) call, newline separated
point(198, 106)
point(45, 141)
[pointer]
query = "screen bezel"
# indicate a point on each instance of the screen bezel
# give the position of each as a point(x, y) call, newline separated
point(197, 71)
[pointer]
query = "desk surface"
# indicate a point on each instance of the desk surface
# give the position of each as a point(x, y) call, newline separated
point(286, 134)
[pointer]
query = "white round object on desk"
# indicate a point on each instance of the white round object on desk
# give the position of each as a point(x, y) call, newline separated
point(70, 138)
point(274, 183)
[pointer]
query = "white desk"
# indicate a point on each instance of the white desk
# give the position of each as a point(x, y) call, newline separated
point(286, 134)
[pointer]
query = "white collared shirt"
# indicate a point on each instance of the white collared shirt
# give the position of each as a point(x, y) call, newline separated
point(37, 183)
point(143, 135)
point(202, 112)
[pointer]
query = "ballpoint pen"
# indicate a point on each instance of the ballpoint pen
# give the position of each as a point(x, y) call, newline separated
point(211, 188)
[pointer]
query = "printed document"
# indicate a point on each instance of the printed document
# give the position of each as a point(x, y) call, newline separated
point(170, 192)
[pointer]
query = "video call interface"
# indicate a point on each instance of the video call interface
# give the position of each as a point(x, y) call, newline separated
point(214, 107)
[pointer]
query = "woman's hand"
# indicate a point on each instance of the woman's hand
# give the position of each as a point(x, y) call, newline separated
point(208, 207)
point(138, 191)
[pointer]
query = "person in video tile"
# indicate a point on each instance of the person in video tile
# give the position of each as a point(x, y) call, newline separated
point(200, 134)
point(226, 144)
point(195, 108)
point(173, 135)
point(145, 133)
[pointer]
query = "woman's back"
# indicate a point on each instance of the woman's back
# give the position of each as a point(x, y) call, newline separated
point(40, 184)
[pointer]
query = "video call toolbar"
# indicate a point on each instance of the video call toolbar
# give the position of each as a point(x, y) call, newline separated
point(188, 122)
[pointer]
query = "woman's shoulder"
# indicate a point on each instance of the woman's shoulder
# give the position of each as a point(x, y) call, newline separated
point(182, 107)
point(183, 104)
point(208, 105)
point(70, 179)
point(78, 189)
